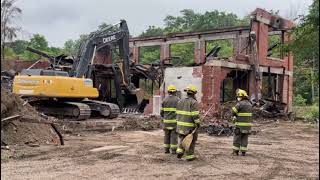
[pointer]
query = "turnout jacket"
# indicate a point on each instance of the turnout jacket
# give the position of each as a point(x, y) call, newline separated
point(243, 112)
point(168, 111)
point(187, 115)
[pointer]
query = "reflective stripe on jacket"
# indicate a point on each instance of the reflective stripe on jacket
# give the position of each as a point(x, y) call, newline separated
point(168, 111)
point(243, 112)
point(187, 115)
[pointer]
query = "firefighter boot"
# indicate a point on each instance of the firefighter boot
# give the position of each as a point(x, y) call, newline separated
point(173, 151)
point(235, 152)
point(166, 150)
point(179, 155)
point(190, 157)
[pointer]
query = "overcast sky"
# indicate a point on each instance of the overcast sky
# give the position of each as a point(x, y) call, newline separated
point(60, 20)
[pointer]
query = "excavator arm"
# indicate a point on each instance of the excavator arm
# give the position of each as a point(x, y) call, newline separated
point(99, 40)
point(103, 74)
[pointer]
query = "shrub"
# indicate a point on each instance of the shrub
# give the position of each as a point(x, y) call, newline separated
point(312, 113)
point(299, 100)
point(307, 113)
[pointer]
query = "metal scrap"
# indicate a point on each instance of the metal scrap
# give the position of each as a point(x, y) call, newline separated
point(270, 109)
point(266, 108)
point(220, 128)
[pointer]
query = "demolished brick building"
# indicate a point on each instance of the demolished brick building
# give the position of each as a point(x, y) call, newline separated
point(251, 66)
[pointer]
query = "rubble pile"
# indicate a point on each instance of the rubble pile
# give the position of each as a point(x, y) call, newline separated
point(270, 109)
point(7, 79)
point(219, 128)
point(263, 110)
point(22, 124)
point(141, 122)
point(219, 124)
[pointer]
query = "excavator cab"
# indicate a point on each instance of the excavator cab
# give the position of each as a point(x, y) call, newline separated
point(104, 58)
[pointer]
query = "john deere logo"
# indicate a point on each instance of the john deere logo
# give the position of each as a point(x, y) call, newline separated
point(108, 39)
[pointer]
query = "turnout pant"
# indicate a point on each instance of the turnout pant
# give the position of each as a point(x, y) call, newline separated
point(170, 139)
point(190, 153)
point(240, 141)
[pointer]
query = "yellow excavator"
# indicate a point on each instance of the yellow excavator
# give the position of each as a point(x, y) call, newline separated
point(59, 95)
point(71, 93)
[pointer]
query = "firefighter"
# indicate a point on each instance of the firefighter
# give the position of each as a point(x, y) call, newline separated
point(187, 121)
point(242, 114)
point(168, 113)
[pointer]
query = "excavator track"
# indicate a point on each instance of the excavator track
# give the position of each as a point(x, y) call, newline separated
point(77, 110)
point(84, 110)
point(108, 110)
point(74, 110)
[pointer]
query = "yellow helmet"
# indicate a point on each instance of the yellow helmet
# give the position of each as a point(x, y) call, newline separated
point(241, 93)
point(172, 88)
point(191, 89)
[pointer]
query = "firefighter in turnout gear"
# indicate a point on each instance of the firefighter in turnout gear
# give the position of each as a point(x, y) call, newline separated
point(242, 113)
point(168, 113)
point(187, 121)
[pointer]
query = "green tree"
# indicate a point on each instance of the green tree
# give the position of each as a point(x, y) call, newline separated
point(69, 47)
point(39, 42)
point(305, 47)
point(9, 12)
point(191, 21)
point(245, 21)
point(55, 51)
point(79, 42)
point(18, 46)
point(183, 52)
point(226, 47)
point(302, 84)
point(152, 31)
point(9, 53)
point(149, 54)
point(72, 47)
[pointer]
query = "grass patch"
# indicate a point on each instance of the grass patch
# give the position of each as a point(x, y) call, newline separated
point(307, 113)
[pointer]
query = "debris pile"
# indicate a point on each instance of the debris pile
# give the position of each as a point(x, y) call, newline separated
point(263, 110)
point(226, 110)
point(141, 122)
point(270, 109)
point(22, 124)
point(7, 79)
point(220, 128)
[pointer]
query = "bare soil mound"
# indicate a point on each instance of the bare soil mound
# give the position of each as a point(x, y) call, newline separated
point(29, 128)
point(13, 105)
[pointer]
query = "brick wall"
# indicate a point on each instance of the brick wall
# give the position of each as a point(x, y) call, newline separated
point(211, 84)
point(19, 65)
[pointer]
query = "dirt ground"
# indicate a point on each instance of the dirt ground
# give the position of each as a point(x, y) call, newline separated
point(282, 150)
